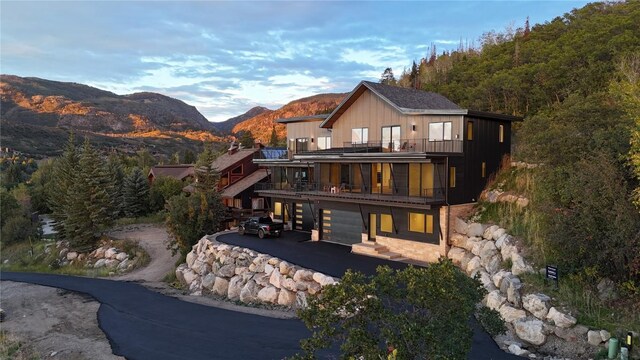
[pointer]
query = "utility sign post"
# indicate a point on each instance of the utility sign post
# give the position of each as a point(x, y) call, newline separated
point(552, 274)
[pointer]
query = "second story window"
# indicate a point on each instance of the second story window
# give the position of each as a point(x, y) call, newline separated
point(501, 134)
point(302, 144)
point(360, 136)
point(237, 170)
point(470, 130)
point(439, 131)
point(324, 142)
point(391, 138)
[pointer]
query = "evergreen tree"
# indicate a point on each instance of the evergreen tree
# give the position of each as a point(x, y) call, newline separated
point(116, 186)
point(189, 157)
point(206, 175)
point(387, 77)
point(136, 194)
point(246, 139)
point(273, 141)
point(64, 177)
point(414, 76)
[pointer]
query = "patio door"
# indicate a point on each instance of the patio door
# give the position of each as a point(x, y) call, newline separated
point(391, 138)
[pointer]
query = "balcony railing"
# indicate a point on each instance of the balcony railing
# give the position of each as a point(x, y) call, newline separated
point(404, 145)
point(382, 193)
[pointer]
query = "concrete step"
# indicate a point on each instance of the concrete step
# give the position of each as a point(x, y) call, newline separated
point(389, 255)
point(367, 249)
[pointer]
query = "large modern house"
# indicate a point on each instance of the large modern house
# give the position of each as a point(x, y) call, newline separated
point(384, 172)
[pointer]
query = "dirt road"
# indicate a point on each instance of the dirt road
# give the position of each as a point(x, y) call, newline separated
point(153, 238)
point(58, 324)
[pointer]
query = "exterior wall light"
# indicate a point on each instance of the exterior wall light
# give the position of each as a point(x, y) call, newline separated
point(413, 127)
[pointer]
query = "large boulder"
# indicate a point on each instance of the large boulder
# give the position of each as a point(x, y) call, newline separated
point(100, 263)
point(220, 286)
point(235, 287)
point(476, 229)
point(494, 300)
point(189, 276)
point(268, 268)
point(191, 257)
point(285, 268)
point(276, 279)
point(286, 298)
point(72, 255)
point(477, 247)
point(488, 232)
point(502, 240)
point(302, 274)
point(99, 253)
point(511, 314)
point(458, 240)
point(227, 271)
point(121, 256)
point(531, 330)
point(456, 255)
point(507, 250)
point(262, 279)
point(491, 263)
point(485, 279)
point(488, 250)
point(498, 233)
point(471, 243)
point(460, 226)
point(179, 273)
point(497, 277)
point(208, 281)
point(323, 279)
point(510, 286)
point(111, 263)
point(301, 300)
point(110, 253)
point(473, 266)
point(519, 266)
point(249, 292)
point(259, 263)
point(125, 264)
point(560, 319)
point(290, 284)
point(268, 294)
point(537, 304)
point(243, 260)
point(594, 337)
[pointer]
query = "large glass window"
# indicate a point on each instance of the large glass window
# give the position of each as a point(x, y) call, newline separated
point(360, 135)
point(356, 177)
point(382, 178)
point(391, 138)
point(302, 144)
point(324, 142)
point(439, 131)
point(452, 177)
point(386, 223)
point(421, 179)
point(277, 208)
point(387, 178)
point(421, 223)
point(501, 133)
point(470, 130)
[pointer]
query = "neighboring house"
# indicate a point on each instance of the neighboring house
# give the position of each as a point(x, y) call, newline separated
point(184, 172)
point(385, 170)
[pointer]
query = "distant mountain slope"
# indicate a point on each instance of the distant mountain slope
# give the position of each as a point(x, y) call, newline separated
point(261, 126)
point(227, 125)
point(43, 102)
point(37, 114)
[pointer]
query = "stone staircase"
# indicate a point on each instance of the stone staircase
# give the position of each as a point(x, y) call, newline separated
point(370, 248)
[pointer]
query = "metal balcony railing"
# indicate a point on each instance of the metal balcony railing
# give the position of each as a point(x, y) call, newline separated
point(405, 145)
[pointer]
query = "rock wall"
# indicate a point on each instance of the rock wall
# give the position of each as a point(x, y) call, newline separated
point(107, 256)
point(244, 275)
point(534, 323)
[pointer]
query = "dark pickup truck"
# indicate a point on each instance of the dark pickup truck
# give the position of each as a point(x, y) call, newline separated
point(262, 226)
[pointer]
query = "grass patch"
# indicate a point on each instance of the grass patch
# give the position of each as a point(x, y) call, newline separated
point(155, 218)
point(12, 348)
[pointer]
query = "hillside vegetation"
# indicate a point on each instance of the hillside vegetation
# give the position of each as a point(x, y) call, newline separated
point(261, 126)
point(576, 81)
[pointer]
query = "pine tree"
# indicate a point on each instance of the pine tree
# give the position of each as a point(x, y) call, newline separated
point(136, 194)
point(246, 139)
point(64, 177)
point(206, 175)
point(387, 77)
point(274, 137)
point(116, 186)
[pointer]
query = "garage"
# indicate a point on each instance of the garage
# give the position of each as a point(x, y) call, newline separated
point(340, 226)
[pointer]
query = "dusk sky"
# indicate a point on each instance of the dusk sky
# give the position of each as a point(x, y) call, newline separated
point(226, 57)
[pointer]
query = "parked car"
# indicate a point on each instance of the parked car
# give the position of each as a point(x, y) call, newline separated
point(262, 226)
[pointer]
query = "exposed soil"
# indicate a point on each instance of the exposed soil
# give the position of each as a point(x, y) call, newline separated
point(56, 323)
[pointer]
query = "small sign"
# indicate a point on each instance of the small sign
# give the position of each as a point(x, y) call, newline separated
point(552, 274)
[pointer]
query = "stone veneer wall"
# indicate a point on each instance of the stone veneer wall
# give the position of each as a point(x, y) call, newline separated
point(242, 274)
point(534, 324)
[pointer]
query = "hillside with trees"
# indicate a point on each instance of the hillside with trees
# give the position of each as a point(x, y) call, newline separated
point(575, 80)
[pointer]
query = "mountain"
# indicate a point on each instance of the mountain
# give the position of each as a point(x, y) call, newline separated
point(261, 126)
point(36, 115)
point(227, 125)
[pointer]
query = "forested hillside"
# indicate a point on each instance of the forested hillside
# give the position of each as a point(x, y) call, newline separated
point(576, 81)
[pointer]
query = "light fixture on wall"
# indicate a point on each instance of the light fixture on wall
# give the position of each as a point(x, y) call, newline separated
point(413, 127)
point(312, 140)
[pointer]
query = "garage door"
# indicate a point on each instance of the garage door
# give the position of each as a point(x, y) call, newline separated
point(339, 226)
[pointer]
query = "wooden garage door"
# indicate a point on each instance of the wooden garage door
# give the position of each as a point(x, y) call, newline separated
point(339, 226)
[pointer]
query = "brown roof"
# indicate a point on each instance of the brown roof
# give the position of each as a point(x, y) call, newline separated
point(175, 171)
point(250, 180)
point(225, 160)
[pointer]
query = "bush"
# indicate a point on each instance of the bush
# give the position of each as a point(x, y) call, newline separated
point(163, 189)
point(18, 229)
point(491, 321)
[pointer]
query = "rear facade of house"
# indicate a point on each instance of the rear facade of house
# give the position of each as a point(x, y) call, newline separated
point(384, 172)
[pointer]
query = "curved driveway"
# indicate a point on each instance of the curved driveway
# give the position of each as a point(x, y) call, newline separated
point(142, 324)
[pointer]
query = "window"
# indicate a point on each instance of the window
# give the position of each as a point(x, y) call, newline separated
point(484, 169)
point(452, 177)
point(360, 135)
point(421, 179)
point(324, 142)
point(224, 180)
point(391, 138)
point(277, 208)
point(237, 170)
point(237, 203)
point(421, 223)
point(386, 223)
point(470, 130)
point(501, 134)
point(440, 131)
point(302, 144)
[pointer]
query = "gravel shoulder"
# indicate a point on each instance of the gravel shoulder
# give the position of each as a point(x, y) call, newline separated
point(56, 323)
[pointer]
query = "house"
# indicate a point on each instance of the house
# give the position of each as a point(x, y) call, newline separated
point(180, 172)
point(385, 171)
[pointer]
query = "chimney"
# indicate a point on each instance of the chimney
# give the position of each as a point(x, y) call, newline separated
point(233, 148)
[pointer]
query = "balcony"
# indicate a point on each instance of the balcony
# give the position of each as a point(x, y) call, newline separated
point(404, 145)
point(390, 194)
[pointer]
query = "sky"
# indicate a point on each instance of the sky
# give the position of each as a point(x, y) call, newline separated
point(226, 57)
